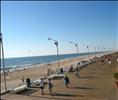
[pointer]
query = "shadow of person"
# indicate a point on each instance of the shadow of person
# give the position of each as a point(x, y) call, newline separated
point(77, 87)
point(67, 95)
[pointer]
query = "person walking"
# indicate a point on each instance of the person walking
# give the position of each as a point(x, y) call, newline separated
point(28, 81)
point(61, 70)
point(50, 86)
point(66, 80)
point(41, 85)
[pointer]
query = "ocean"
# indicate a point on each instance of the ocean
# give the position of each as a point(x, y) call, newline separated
point(27, 61)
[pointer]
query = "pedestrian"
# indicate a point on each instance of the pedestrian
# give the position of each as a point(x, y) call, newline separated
point(71, 68)
point(66, 80)
point(109, 61)
point(41, 85)
point(50, 86)
point(61, 70)
point(28, 82)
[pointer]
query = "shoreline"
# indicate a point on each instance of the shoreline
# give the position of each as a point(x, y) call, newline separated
point(27, 66)
point(17, 66)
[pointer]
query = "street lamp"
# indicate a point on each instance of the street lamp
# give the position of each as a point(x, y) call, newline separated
point(104, 50)
point(98, 49)
point(2, 63)
point(94, 50)
point(76, 45)
point(56, 43)
point(88, 50)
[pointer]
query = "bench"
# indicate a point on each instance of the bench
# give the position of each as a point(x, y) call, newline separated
point(56, 76)
point(18, 89)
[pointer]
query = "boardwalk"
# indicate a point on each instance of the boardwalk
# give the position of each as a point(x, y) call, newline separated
point(95, 83)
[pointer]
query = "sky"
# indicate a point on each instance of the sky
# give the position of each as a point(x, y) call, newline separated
point(26, 26)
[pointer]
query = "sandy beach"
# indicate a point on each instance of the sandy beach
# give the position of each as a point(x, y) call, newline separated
point(57, 41)
point(96, 82)
point(35, 72)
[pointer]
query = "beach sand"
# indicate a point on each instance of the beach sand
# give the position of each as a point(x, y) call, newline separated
point(96, 82)
point(35, 72)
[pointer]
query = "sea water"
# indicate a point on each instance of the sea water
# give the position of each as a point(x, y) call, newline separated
point(21, 62)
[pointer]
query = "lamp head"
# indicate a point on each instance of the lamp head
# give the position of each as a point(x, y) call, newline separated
point(76, 45)
point(56, 43)
point(49, 38)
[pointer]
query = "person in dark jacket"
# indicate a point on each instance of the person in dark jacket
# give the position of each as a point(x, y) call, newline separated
point(66, 81)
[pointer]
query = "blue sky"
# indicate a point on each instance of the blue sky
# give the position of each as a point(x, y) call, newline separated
point(26, 26)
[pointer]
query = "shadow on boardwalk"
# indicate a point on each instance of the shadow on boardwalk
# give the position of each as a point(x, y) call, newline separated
point(67, 95)
point(87, 77)
point(76, 87)
point(58, 96)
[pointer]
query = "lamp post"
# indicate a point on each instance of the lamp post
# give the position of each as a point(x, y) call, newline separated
point(76, 45)
point(88, 50)
point(98, 49)
point(2, 63)
point(91, 48)
point(94, 50)
point(56, 43)
point(104, 50)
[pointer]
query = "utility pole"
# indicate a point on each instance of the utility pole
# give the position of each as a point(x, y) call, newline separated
point(2, 63)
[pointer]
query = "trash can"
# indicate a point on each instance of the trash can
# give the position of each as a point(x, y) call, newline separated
point(28, 82)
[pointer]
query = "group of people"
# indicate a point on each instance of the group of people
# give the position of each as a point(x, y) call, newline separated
point(106, 58)
point(42, 83)
point(42, 86)
point(50, 84)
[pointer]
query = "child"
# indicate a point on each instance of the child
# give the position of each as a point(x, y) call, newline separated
point(50, 86)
